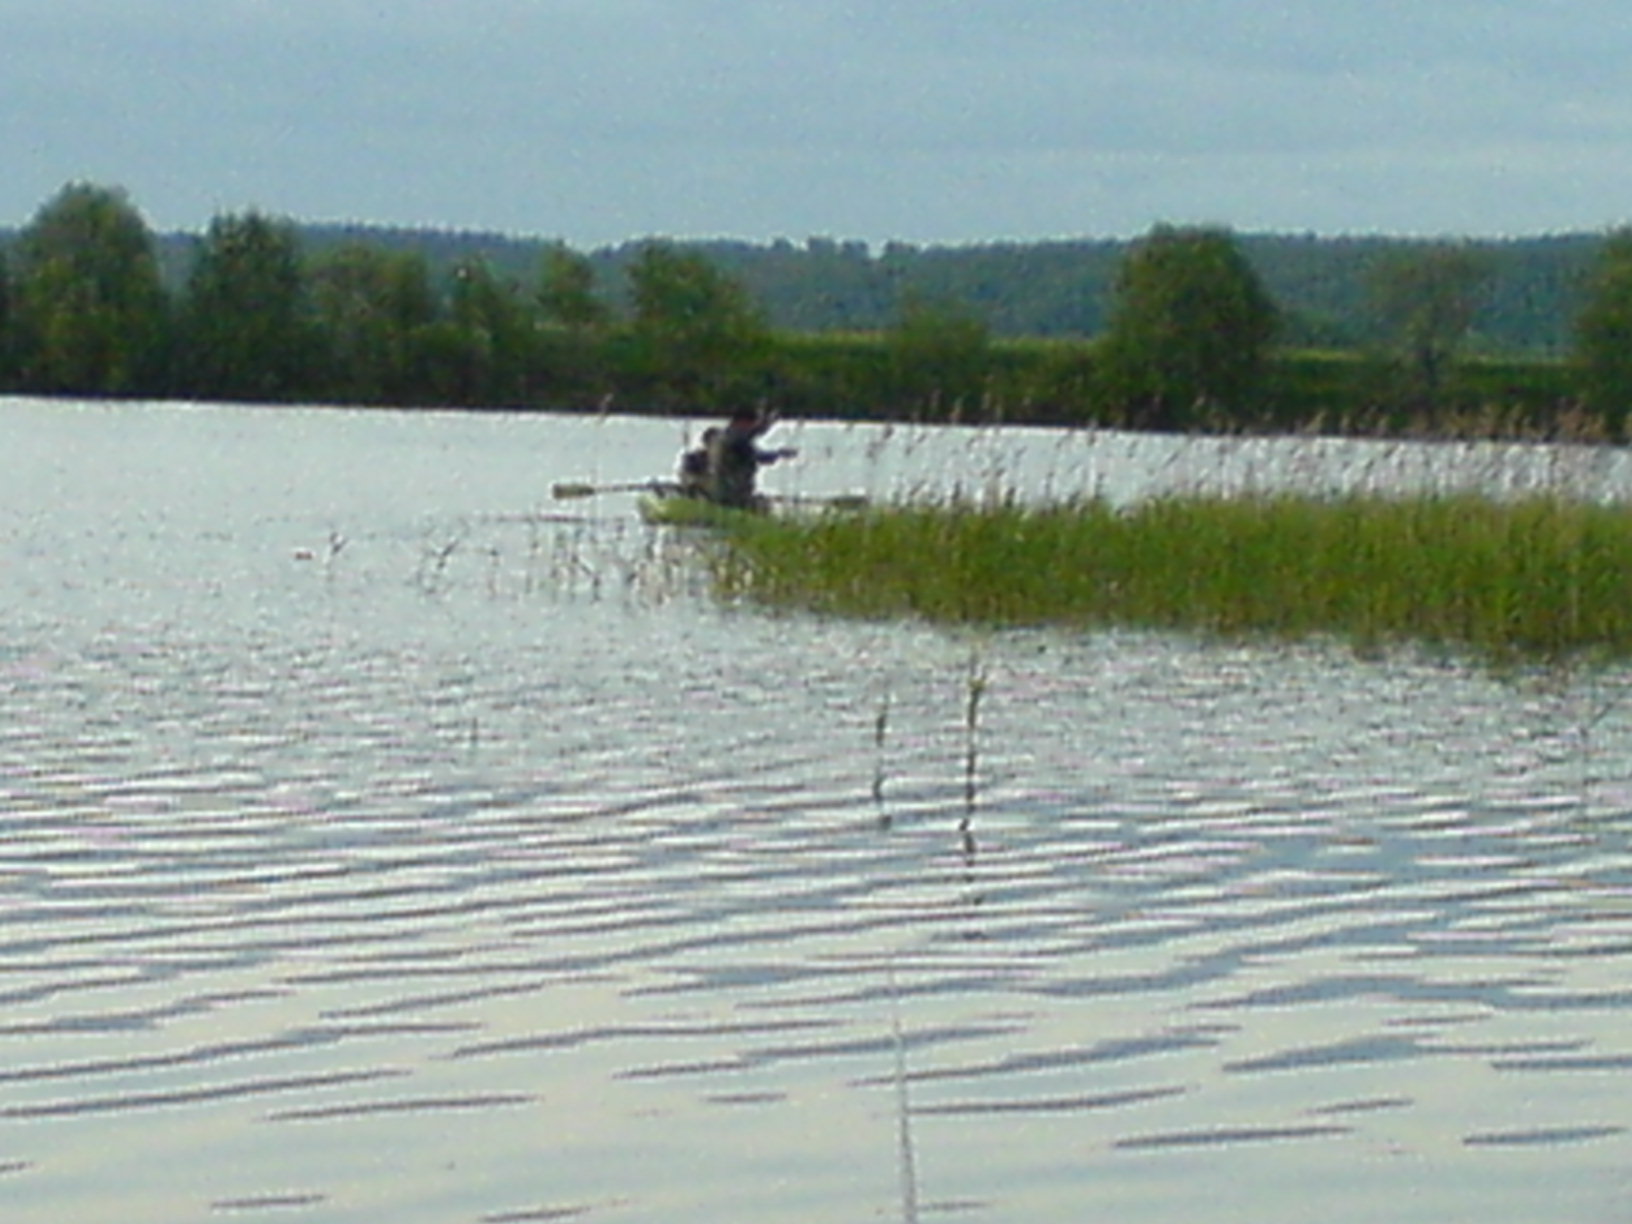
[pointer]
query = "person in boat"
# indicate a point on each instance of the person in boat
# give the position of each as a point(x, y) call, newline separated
point(694, 466)
point(735, 457)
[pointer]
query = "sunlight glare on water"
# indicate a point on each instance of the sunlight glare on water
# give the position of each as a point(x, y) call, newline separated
point(383, 840)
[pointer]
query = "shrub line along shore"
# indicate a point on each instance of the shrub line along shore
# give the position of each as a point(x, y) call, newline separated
point(1187, 338)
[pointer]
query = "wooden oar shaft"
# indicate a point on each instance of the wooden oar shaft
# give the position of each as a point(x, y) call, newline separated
point(572, 489)
point(577, 489)
point(841, 501)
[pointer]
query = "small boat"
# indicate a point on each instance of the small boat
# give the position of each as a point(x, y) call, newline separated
point(668, 507)
point(663, 503)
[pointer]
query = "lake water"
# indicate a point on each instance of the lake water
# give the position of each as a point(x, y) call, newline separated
point(383, 841)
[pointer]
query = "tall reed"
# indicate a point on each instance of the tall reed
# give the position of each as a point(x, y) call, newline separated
point(1544, 575)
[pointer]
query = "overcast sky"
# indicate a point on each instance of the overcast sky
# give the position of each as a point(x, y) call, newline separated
point(927, 121)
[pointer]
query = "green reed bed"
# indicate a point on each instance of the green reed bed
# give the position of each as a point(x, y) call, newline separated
point(1543, 576)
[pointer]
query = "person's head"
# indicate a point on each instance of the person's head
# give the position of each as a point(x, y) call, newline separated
point(749, 421)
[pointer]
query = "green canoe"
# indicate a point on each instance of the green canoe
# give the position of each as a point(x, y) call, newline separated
point(666, 509)
point(675, 510)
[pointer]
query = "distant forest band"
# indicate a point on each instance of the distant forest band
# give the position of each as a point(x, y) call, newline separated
point(1179, 331)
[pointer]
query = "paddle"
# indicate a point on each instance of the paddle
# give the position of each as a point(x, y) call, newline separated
point(841, 501)
point(569, 489)
point(575, 489)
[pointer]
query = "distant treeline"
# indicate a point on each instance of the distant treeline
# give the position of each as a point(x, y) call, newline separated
point(1183, 328)
point(1056, 289)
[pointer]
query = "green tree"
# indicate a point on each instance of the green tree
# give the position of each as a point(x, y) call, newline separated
point(566, 291)
point(939, 353)
point(1189, 331)
point(495, 331)
point(374, 313)
point(91, 310)
point(8, 346)
point(697, 337)
point(1425, 301)
point(1603, 335)
point(246, 325)
point(571, 345)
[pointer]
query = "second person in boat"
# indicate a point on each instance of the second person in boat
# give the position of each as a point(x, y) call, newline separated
point(733, 458)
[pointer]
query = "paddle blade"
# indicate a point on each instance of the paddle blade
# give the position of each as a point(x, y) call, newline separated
point(561, 491)
point(842, 501)
point(848, 501)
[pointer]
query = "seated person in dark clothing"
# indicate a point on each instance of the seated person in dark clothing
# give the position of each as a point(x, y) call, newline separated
point(734, 459)
point(694, 467)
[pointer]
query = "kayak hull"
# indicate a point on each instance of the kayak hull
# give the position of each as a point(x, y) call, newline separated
point(662, 510)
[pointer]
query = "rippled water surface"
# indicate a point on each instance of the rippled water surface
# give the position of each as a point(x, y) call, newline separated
point(383, 841)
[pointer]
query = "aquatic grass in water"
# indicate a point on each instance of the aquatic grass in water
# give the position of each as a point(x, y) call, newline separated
point(1540, 576)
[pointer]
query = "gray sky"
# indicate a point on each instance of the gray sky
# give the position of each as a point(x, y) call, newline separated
point(929, 121)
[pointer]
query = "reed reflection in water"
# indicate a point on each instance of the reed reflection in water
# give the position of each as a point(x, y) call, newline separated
point(482, 869)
